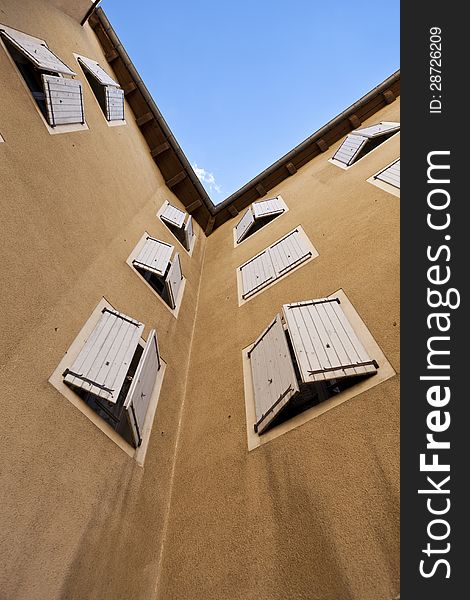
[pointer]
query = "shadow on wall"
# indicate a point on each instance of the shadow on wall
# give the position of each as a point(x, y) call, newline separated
point(298, 509)
point(104, 564)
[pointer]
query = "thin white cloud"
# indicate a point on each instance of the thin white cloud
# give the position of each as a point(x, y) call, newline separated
point(207, 178)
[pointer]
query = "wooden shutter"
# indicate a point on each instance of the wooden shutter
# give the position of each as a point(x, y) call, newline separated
point(97, 72)
point(325, 344)
point(267, 208)
point(257, 273)
point(114, 103)
point(141, 389)
point(378, 129)
point(390, 174)
point(35, 50)
point(244, 225)
point(289, 252)
point(350, 148)
point(173, 280)
point(173, 216)
point(64, 100)
point(274, 378)
point(188, 233)
point(154, 256)
point(102, 364)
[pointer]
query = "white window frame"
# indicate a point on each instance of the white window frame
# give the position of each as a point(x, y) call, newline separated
point(57, 380)
point(341, 165)
point(194, 237)
point(58, 129)
point(384, 372)
point(135, 252)
point(309, 247)
point(384, 185)
point(118, 123)
point(251, 236)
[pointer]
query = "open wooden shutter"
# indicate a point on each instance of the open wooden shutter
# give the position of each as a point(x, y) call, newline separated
point(350, 148)
point(154, 256)
point(114, 103)
point(64, 100)
point(102, 364)
point(114, 95)
point(188, 233)
point(174, 279)
point(244, 225)
point(325, 344)
point(383, 128)
point(257, 273)
point(35, 50)
point(390, 174)
point(267, 208)
point(174, 216)
point(141, 389)
point(289, 252)
point(274, 379)
point(97, 72)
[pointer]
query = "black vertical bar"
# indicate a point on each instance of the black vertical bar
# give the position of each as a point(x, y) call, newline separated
point(433, 120)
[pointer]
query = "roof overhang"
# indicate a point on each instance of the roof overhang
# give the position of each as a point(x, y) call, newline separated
point(176, 168)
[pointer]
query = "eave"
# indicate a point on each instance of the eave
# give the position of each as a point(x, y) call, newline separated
point(176, 168)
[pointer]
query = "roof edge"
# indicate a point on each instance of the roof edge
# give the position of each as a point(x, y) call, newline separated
point(312, 139)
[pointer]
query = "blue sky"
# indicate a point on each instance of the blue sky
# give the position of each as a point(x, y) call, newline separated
point(241, 83)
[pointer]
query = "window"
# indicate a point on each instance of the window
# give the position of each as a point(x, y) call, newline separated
point(152, 260)
point(273, 263)
point(390, 174)
point(114, 377)
point(313, 356)
point(362, 141)
point(1, 139)
point(59, 99)
point(108, 92)
point(180, 224)
point(388, 178)
point(257, 216)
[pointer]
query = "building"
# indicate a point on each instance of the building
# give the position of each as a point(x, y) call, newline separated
point(141, 475)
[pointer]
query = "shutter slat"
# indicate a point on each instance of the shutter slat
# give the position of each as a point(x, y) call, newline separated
point(324, 342)
point(257, 273)
point(350, 148)
point(306, 343)
point(244, 225)
point(391, 174)
point(64, 102)
point(174, 279)
point(266, 208)
point(274, 379)
point(379, 129)
point(141, 389)
point(102, 364)
point(114, 104)
point(154, 256)
point(289, 252)
point(35, 50)
point(188, 233)
point(173, 215)
point(350, 334)
point(98, 72)
point(334, 355)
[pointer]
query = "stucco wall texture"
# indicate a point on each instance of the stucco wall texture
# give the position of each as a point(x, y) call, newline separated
point(78, 518)
point(311, 515)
